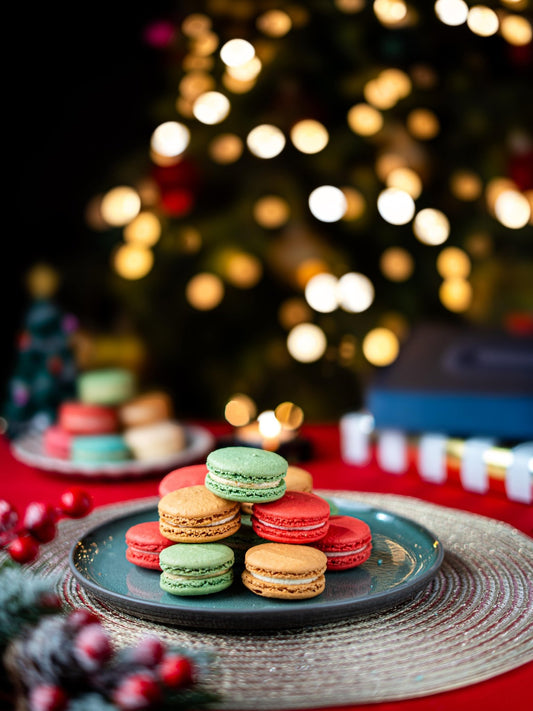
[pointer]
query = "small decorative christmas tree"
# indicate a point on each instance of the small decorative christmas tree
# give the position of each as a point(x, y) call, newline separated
point(45, 371)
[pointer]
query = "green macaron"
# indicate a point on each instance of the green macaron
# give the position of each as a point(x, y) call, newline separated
point(196, 568)
point(246, 474)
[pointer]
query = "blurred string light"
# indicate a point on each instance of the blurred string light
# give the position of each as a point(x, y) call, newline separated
point(309, 136)
point(516, 30)
point(482, 21)
point(381, 346)
point(453, 262)
point(355, 292)
point(271, 211)
point(204, 291)
point(274, 23)
point(212, 107)
point(355, 203)
point(512, 209)
point(265, 141)
point(388, 88)
point(396, 264)
point(120, 205)
point(405, 179)
point(423, 124)
point(145, 229)
point(390, 12)
point(451, 12)
point(236, 52)
point(268, 424)
point(327, 203)
point(293, 311)
point(225, 148)
point(456, 294)
point(431, 226)
point(290, 415)
point(170, 139)
point(242, 269)
point(364, 119)
point(321, 292)
point(306, 342)
point(466, 185)
point(240, 410)
point(396, 206)
point(132, 261)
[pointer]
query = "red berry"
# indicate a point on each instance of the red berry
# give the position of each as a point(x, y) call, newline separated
point(81, 617)
point(39, 519)
point(92, 647)
point(47, 697)
point(148, 652)
point(24, 548)
point(137, 692)
point(175, 671)
point(75, 502)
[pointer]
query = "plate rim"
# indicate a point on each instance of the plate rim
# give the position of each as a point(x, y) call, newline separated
point(202, 441)
point(286, 617)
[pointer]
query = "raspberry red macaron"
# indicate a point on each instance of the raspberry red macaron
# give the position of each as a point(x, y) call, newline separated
point(144, 544)
point(298, 517)
point(81, 418)
point(348, 542)
point(193, 475)
point(57, 442)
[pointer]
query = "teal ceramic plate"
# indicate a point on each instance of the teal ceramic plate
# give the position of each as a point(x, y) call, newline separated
point(405, 556)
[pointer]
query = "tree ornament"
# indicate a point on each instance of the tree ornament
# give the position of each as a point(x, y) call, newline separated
point(137, 692)
point(47, 697)
point(23, 548)
point(92, 647)
point(75, 502)
point(175, 671)
point(40, 520)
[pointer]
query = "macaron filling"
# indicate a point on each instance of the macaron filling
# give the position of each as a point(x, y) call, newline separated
point(289, 528)
point(284, 581)
point(221, 479)
point(340, 554)
point(193, 575)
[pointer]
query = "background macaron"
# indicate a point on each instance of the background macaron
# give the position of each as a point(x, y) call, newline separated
point(285, 571)
point(298, 479)
point(99, 448)
point(106, 386)
point(196, 515)
point(156, 440)
point(196, 568)
point(246, 474)
point(192, 475)
point(298, 517)
point(82, 418)
point(348, 542)
point(145, 409)
point(144, 544)
point(57, 442)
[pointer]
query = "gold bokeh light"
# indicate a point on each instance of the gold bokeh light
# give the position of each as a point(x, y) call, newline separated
point(431, 226)
point(381, 346)
point(212, 107)
point(271, 211)
point(274, 23)
point(240, 410)
point(132, 261)
point(120, 205)
point(225, 148)
point(453, 262)
point(364, 119)
point(306, 342)
point(145, 229)
point(455, 294)
point(265, 141)
point(396, 264)
point(204, 291)
point(309, 136)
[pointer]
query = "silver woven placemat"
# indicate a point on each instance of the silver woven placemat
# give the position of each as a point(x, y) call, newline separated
point(473, 621)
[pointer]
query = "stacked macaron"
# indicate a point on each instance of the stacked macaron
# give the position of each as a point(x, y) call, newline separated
point(110, 422)
point(292, 541)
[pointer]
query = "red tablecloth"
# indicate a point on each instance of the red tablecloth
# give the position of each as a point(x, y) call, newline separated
point(21, 484)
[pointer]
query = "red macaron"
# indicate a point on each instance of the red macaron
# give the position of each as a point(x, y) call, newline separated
point(193, 475)
point(348, 542)
point(82, 418)
point(144, 544)
point(57, 442)
point(298, 517)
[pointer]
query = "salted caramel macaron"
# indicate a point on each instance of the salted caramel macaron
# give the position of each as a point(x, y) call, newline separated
point(284, 571)
point(146, 408)
point(194, 514)
point(298, 479)
point(156, 440)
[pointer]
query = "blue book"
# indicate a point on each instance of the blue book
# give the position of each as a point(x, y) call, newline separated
point(464, 382)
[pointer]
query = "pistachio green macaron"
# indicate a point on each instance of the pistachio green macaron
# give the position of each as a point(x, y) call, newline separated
point(247, 474)
point(196, 568)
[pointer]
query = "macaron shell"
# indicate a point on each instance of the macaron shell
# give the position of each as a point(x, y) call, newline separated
point(248, 461)
point(145, 409)
point(196, 587)
point(232, 492)
point(156, 440)
point(144, 544)
point(284, 566)
point(57, 442)
point(298, 479)
point(196, 569)
point(298, 517)
point(80, 418)
point(351, 538)
point(195, 514)
point(106, 386)
point(193, 475)
point(99, 448)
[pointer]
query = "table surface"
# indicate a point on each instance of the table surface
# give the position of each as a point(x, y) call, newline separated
point(21, 484)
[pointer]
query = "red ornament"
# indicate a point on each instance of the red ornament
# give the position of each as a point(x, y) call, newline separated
point(40, 521)
point(47, 697)
point(176, 671)
point(23, 548)
point(75, 502)
point(177, 202)
point(81, 618)
point(92, 647)
point(137, 692)
point(148, 652)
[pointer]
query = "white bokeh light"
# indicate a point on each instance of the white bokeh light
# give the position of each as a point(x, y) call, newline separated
point(512, 209)
point(321, 292)
point(431, 226)
point(265, 141)
point(328, 203)
point(355, 292)
point(451, 12)
point(170, 139)
point(306, 342)
point(236, 52)
point(268, 424)
point(211, 108)
point(396, 206)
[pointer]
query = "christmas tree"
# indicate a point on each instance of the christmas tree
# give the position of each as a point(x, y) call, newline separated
point(318, 178)
point(45, 369)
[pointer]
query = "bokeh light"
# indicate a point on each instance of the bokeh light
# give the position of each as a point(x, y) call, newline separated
point(482, 20)
point(196, 24)
point(271, 211)
point(396, 264)
point(274, 23)
point(390, 12)
point(145, 229)
point(243, 270)
point(293, 311)
point(455, 294)
point(512, 209)
point(405, 179)
point(453, 262)
point(170, 139)
point(211, 108)
point(364, 119)
point(225, 148)
point(132, 261)
point(516, 30)
point(451, 12)
point(290, 415)
point(265, 141)
point(423, 124)
point(204, 291)
point(240, 410)
point(321, 292)
point(494, 188)
point(355, 292)
point(309, 136)
point(246, 72)
point(195, 83)
point(431, 226)
point(355, 203)
point(466, 185)
point(120, 205)
point(306, 342)
point(381, 346)
point(396, 206)
point(268, 424)
point(236, 52)
point(327, 203)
